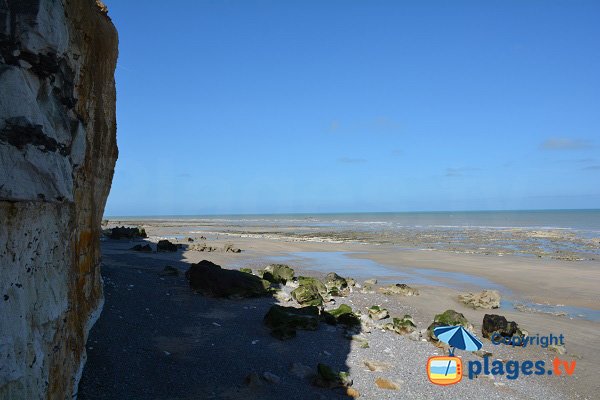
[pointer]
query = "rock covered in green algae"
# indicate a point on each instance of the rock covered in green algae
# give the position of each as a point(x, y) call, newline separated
point(378, 313)
point(310, 291)
point(402, 326)
point(400, 289)
point(328, 378)
point(246, 270)
point(448, 318)
point(211, 280)
point(284, 321)
point(342, 315)
point(307, 295)
point(277, 273)
point(336, 285)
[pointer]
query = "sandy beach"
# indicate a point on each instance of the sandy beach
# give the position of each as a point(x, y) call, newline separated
point(157, 339)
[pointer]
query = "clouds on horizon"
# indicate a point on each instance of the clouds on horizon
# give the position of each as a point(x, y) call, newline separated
point(350, 160)
point(452, 172)
point(566, 144)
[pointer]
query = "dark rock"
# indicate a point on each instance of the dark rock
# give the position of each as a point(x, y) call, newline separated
point(165, 245)
point(497, 323)
point(253, 380)
point(284, 321)
point(190, 239)
point(127, 233)
point(145, 248)
point(211, 280)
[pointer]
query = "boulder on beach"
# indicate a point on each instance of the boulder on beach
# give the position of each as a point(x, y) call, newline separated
point(448, 318)
point(558, 349)
point(202, 247)
point(124, 232)
point(378, 313)
point(230, 248)
point(487, 299)
point(165, 246)
point(399, 289)
point(367, 289)
point(310, 291)
point(277, 273)
point(328, 378)
point(402, 326)
point(284, 321)
point(211, 280)
point(336, 285)
point(371, 282)
point(246, 270)
point(343, 315)
point(143, 248)
point(493, 323)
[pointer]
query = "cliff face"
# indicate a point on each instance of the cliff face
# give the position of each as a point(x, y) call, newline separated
point(57, 155)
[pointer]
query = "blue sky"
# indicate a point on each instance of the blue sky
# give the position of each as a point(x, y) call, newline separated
point(324, 106)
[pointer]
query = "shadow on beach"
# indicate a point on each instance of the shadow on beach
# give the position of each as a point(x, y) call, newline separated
point(157, 339)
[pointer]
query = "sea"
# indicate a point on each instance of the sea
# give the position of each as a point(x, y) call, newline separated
point(582, 222)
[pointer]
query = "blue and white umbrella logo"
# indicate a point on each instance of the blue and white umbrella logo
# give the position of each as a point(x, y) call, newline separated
point(457, 337)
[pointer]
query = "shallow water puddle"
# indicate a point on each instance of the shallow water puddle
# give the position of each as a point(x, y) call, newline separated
point(344, 264)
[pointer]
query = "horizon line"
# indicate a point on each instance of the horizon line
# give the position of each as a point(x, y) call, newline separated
point(347, 212)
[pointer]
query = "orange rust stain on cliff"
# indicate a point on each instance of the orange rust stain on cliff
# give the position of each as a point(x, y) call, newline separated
point(94, 37)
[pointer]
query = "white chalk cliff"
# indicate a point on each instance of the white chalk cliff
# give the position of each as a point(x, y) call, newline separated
point(57, 155)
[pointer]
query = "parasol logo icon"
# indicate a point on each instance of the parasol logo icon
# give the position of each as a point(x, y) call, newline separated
point(443, 370)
